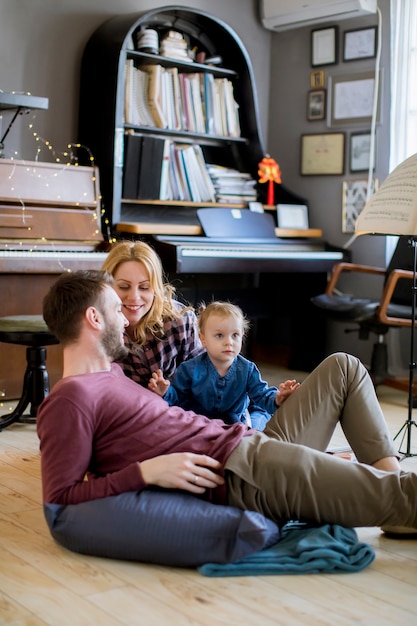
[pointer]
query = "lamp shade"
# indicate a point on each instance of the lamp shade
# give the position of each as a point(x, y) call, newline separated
point(392, 210)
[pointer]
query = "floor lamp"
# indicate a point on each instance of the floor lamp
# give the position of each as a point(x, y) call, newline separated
point(392, 210)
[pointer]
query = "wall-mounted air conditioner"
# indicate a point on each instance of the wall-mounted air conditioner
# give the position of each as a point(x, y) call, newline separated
point(285, 14)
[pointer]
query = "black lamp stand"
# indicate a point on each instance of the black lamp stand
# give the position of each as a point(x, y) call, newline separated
point(406, 428)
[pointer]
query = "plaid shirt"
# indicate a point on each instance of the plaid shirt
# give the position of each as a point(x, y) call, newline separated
point(179, 343)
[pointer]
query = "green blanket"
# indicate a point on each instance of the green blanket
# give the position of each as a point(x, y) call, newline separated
point(302, 549)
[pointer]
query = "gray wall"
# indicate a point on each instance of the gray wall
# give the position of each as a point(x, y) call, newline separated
point(41, 43)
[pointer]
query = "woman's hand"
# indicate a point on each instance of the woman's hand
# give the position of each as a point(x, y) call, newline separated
point(183, 470)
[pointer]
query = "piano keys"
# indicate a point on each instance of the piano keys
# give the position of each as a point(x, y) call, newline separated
point(49, 261)
point(183, 254)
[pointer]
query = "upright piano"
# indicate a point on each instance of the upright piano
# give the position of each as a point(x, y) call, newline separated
point(49, 224)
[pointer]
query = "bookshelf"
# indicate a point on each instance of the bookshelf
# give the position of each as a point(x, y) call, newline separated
point(106, 128)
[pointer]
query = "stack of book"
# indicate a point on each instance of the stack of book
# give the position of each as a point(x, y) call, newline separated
point(232, 186)
point(173, 45)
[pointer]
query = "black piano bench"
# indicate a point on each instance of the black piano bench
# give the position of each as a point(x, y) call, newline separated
point(30, 331)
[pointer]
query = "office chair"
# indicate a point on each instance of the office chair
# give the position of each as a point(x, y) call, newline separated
point(375, 315)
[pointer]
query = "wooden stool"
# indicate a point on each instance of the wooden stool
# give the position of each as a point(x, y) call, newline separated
point(31, 331)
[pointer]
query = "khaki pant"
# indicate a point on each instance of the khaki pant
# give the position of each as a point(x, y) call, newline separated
point(285, 474)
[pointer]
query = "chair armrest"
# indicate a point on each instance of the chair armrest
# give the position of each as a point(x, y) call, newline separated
point(339, 268)
point(386, 296)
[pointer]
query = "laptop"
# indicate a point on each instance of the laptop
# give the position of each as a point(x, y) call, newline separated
point(232, 224)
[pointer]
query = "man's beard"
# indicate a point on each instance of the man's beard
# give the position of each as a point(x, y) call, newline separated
point(112, 343)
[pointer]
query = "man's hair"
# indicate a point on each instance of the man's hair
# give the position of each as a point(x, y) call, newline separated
point(68, 299)
point(222, 309)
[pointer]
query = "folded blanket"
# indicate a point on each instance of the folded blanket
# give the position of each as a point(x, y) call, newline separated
point(302, 549)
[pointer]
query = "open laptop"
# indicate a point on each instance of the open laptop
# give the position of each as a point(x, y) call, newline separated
point(242, 225)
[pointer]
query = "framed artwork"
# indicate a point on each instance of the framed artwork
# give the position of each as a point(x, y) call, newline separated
point(324, 46)
point(317, 79)
point(352, 99)
point(293, 216)
point(322, 154)
point(354, 199)
point(360, 152)
point(316, 104)
point(359, 43)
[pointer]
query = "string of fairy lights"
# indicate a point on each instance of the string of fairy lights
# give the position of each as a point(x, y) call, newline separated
point(49, 177)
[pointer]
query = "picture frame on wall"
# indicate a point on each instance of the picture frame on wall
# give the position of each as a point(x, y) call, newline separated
point(322, 154)
point(324, 46)
point(317, 79)
point(352, 99)
point(359, 43)
point(354, 199)
point(316, 104)
point(360, 152)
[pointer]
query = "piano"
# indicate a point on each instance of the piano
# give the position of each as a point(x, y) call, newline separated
point(49, 223)
point(49, 217)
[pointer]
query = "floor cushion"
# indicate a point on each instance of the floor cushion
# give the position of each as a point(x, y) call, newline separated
point(160, 526)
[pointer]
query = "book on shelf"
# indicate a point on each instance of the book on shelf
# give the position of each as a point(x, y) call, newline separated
point(190, 167)
point(129, 97)
point(155, 94)
point(232, 110)
point(184, 192)
point(141, 107)
point(187, 99)
point(178, 113)
point(221, 121)
point(206, 182)
point(392, 210)
point(150, 168)
point(136, 111)
point(173, 175)
point(209, 105)
point(196, 102)
point(226, 108)
point(164, 186)
point(132, 159)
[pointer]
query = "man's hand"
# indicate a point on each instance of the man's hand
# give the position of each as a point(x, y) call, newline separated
point(158, 384)
point(182, 470)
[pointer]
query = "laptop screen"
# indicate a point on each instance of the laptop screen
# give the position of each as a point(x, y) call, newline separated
point(236, 223)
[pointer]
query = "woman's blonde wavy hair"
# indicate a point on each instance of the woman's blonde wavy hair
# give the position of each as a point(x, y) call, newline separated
point(162, 308)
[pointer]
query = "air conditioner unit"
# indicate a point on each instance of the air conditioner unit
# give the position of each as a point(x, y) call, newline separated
point(285, 14)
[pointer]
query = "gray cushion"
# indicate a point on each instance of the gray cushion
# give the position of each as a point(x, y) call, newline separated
point(160, 526)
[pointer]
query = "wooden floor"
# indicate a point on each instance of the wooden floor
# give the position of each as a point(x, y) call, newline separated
point(42, 583)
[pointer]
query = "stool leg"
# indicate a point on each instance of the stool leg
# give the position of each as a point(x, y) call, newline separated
point(35, 387)
point(39, 379)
